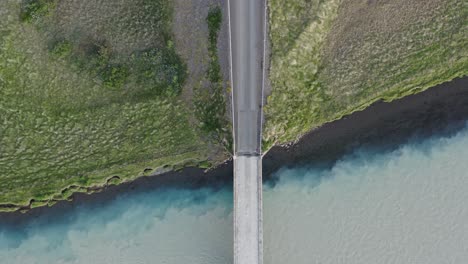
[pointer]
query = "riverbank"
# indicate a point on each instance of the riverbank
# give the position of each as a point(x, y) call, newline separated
point(90, 98)
point(441, 109)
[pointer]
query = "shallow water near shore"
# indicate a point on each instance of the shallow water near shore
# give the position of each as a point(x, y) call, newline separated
point(407, 205)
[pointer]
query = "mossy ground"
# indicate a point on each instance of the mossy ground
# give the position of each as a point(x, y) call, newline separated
point(331, 58)
point(89, 90)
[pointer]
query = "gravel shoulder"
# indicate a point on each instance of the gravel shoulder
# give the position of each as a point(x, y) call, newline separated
point(191, 36)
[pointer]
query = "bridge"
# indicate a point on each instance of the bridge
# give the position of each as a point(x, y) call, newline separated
point(247, 27)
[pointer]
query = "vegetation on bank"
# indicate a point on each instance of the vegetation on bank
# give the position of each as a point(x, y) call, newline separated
point(210, 102)
point(331, 58)
point(89, 96)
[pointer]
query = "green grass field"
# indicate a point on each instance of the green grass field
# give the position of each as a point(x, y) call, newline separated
point(89, 96)
point(331, 58)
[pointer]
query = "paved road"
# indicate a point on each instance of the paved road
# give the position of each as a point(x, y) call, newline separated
point(247, 24)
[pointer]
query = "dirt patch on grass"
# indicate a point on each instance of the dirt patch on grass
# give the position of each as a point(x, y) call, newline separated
point(128, 25)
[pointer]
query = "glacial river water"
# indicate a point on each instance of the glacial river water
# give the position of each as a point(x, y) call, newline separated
point(408, 205)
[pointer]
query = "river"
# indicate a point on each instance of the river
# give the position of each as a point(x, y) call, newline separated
point(405, 205)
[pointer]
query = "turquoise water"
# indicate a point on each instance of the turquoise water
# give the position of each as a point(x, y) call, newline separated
point(408, 205)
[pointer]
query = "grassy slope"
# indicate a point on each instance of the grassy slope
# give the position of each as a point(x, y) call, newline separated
point(65, 125)
point(330, 58)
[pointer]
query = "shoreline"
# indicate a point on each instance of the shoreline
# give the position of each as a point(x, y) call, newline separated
point(440, 109)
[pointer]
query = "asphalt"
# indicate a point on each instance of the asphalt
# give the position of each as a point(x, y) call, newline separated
point(247, 23)
point(247, 41)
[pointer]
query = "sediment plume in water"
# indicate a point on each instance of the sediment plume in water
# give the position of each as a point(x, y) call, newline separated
point(404, 205)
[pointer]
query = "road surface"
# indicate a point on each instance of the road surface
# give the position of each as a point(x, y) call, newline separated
point(247, 23)
point(247, 30)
